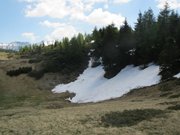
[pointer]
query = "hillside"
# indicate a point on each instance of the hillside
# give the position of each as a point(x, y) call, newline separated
point(28, 107)
point(129, 86)
point(92, 86)
point(115, 47)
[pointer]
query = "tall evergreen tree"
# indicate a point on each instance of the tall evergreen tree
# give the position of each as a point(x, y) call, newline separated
point(163, 27)
point(125, 45)
point(169, 59)
point(145, 35)
point(110, 52)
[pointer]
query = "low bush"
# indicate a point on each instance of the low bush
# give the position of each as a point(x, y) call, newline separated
point(165, 94)
point(36, 74)
point(165, 87)
point(129, 117)
point(175, 96)
point(19, 71)
point(175, 107)
point(177, 82)
point(34, 60)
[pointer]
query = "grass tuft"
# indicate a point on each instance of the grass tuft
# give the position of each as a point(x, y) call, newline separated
point(165, 94)
point(175, 107)
point(129, 117)
point(165, 87)
point(175, 96)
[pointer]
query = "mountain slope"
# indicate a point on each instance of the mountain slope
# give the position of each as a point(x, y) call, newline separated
point(27, 107)
point(91, 86)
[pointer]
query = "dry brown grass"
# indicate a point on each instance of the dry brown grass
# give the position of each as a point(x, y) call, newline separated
point(26, 91)
point(3, 56)
point(27, 107)
point(84, 120)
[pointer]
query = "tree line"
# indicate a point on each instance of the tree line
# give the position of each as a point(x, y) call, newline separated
point(65, 56)
point(153, 39)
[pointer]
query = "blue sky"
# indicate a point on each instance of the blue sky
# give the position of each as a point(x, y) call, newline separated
point(37, 20)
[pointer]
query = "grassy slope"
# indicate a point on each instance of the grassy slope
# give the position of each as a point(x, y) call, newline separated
point(27, 107)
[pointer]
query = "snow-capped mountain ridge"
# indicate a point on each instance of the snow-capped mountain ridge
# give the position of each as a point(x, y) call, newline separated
point(13, 45)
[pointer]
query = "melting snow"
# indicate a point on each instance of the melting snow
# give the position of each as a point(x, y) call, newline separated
point(91, 86)
point(177, 76)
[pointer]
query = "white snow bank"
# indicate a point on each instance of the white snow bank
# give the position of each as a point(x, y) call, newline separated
point(177, 76)
point(91, 86)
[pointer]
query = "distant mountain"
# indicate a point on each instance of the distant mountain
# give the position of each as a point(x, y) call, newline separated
point(13, 45)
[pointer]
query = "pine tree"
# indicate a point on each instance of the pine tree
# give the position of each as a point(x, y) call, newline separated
point(163, 27)
point(169, 59)
point(110, 52)
point(145, 35)
point(126, 44)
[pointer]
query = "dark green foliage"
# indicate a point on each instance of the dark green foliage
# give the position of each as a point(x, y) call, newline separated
point(97, 45)
point(35, 60)
point(145, 36)
point(169, 59)
point(68, 55)
point(64, 56)
point(152, 40)
point(36, 74)
point(168, 41)
point(110, 52)
point(176, 107)
point(129, 117)
point(21, 70)
point(113, 45)
point(31, 50)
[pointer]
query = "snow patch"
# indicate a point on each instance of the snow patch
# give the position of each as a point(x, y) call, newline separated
point(177, 76)
point(92, 41)
point(91, 86)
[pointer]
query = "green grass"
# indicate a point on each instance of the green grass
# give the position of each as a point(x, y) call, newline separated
point(129, 117)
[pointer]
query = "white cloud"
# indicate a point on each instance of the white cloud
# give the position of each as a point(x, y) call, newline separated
point(29, 1)
point(69, 11)
point(51, 8)
point(52, 24)
point(121, 1)
point(75, 9)
point(59, 8)
point(30, 36)
point(97, 17)
point(100, 17)
point(174, 4)
point(60, 30)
